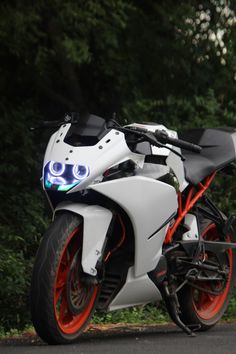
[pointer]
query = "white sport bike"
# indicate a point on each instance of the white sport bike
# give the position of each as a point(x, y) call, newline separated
point(132, 225)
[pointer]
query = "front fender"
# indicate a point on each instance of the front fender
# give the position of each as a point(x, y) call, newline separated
point(96, 221)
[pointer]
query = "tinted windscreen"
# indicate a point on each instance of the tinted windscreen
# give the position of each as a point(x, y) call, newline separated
point(88, 131)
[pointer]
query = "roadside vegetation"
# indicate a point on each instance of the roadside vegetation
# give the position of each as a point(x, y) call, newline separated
point(151, 314)
point(170, 62)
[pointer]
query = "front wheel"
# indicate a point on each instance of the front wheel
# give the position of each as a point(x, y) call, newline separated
point(204, 303)
point(61, 302)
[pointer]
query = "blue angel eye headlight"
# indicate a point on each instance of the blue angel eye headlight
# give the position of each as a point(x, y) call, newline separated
point(80, 171)
point(62, 177)
point(56, 180)
point(56, 168)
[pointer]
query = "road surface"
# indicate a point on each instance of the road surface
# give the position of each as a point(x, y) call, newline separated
point(148, 339)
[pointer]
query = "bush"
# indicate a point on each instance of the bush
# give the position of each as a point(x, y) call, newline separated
point(23, 217)
point(182, 113)
point(148, 314)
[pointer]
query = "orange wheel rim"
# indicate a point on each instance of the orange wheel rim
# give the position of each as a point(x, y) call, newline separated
point(206, 305)
point(68, 322)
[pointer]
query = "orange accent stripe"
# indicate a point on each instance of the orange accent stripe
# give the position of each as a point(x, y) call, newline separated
point(189, 204)
point(123, 235)
point(107, 256)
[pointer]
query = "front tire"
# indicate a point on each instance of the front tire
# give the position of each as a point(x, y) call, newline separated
point(61, 304)
point(199, 307)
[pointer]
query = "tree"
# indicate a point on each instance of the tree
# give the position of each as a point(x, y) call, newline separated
point(167, 61)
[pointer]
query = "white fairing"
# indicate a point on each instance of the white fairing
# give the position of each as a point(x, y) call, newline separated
point(151, 170)
point(234, 140)
point(173, 161)
point(190, 221)
point(136, 291)
point(176, 165)
point(96, 221)
point(149, 204)
point(110, 150)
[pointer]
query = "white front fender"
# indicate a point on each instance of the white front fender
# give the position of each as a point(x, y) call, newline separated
point(96, 223)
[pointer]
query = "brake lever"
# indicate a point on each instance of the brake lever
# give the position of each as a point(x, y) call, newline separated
point(150, 136)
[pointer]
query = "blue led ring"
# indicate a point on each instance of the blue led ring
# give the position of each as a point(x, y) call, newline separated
point(56, 168)
point(80, 171)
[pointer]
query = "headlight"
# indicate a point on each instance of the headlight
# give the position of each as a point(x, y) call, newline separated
point(56, 168)
point(62, 177)
point(56, 180)
point(80, 171)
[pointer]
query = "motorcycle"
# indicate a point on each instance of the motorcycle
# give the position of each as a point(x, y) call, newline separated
point(132, 224)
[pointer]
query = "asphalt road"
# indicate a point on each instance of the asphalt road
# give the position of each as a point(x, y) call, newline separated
point(159, 339)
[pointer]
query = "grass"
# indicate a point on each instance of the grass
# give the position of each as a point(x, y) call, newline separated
point(230, 313)
point(14, 332)
point(139, 315)
point(148, 314)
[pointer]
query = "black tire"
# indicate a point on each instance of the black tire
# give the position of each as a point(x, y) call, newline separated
point(55, 273)
point(206, 312)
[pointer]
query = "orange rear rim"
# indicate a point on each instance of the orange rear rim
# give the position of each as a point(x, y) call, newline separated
point(206, 305)
point(84, 296)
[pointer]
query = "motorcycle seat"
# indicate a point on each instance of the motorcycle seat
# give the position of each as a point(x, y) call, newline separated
point(218, 150)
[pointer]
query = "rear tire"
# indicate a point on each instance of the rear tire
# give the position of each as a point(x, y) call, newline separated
point(61, 305)
point(202, 309)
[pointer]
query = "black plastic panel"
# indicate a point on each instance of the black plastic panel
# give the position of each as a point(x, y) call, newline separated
point(217, 152)
point(89, 131)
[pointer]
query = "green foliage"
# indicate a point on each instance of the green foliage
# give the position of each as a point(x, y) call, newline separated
point(14, 284)
point(148, 314)
point(147, 60)
point(230, 314)
point(183, 113)
point(71, 50)
point(22, 218)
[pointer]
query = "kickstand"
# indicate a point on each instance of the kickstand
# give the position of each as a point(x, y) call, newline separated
point(173, 309)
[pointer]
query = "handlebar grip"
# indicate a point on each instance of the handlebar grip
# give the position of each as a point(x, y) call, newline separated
point(163, 137)
point(50, 123)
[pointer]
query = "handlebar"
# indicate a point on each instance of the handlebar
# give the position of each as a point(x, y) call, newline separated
point(55, 123)
point(160, 138)
point(163, 137)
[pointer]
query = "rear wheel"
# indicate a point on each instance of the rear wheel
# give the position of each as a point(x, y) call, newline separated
point(61, 302)
point(204, 303)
